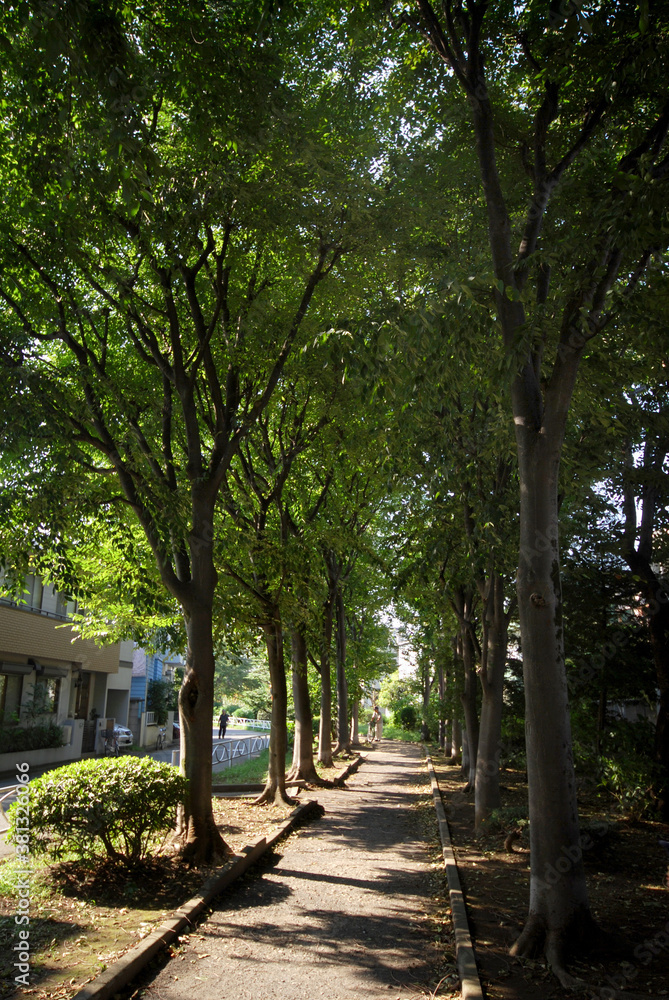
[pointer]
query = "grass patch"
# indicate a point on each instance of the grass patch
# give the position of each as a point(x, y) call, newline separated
point(250, 727)
point(391, 732)
point(251, 772)
point(83, 918)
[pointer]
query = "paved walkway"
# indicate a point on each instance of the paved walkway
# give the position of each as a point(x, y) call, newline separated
point(339, 912)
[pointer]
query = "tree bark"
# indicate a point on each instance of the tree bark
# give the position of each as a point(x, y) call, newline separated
point(275, 786)
point(201, 839)
point(464, 765)
point(456, 741)
point(427, 690)
point(495, 640)
point(559, 913)
point(355, 723)
point(441, 679)
point(325, 724)
point(469, 705)
point(342, 686)
point(303, 745)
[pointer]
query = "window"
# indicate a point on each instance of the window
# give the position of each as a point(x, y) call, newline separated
point(10, 696)
point(32, 593)
point(46, 695)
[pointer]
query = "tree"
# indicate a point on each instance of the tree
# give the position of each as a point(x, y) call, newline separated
point(242, 677)
point(592, 151)
point(262, 560)
point(145, 294)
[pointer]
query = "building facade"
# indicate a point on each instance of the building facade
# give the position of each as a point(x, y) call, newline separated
point(44, 664)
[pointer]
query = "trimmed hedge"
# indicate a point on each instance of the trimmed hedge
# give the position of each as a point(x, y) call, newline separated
point(46, 736)
point(113, 806)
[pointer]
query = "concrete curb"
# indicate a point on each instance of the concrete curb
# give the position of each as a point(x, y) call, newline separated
point(127, 967)
point(349, 770)
point(464, 949)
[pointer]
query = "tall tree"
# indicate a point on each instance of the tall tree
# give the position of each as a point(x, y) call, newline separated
point(590, 136)
point(156, 274)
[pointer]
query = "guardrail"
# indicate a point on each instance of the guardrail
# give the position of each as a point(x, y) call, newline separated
point(249, 723)
point(4, 822)
point(235, 751)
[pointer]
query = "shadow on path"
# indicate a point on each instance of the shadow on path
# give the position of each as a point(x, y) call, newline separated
point(341, 911)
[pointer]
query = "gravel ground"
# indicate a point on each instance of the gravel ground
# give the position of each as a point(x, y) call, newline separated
point(342, 910)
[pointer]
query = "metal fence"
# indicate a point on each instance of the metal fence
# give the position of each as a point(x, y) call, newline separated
point(249, 723)
point(237, 751)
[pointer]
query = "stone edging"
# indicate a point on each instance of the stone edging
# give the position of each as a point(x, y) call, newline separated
point(464, 949)
point(350, 769)
point(129, 965)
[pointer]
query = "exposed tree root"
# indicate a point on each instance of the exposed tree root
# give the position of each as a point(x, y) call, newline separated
point(308, 774)
point(299, 772)
point(203, 849)
point(583, 934)
point(531, 939)
point(274, 796)
point(555, 956)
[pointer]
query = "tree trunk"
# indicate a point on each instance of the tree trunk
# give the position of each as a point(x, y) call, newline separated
point(275, 786)
point(464, 766)
point(456, 741)
point(441, 679)
point(342, 687)
point(303, 748)
point(427, 690)
point(495, 639)
point(202, 841)
point(355, 724)
point(325, 724)
point(559, 913)
point(469, 705)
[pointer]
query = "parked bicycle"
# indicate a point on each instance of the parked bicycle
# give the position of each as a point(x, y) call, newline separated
point(160, 741)
point(111, 745)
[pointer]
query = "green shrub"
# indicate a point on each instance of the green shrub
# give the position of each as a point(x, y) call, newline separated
point(159, 698)
point(391, 732)
point(407, 717)
point(627, 770)
point(114, 806)
point(45, 736)
point(507, 816)
point(629, 780)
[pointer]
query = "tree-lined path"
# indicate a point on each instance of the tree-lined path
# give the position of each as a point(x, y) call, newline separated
point(342, 912)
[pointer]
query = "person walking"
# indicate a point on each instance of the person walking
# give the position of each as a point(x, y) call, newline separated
point(222, 724)
point(377, 724)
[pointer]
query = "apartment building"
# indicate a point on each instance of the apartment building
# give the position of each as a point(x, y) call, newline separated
point(79, 683)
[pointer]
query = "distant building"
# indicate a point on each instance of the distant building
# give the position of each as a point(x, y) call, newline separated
point(147, 667)
point(78, 682)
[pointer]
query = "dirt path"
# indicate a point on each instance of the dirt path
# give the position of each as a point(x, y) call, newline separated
point(343, 910)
